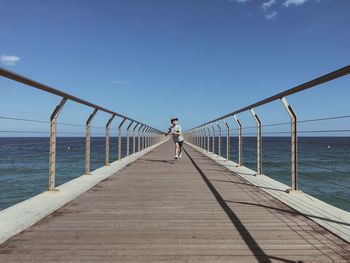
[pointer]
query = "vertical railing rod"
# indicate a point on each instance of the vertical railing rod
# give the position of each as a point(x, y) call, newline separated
point(88, 141)
point(219, 139)
point(120, 139)
point(107, 139)
point(134, 139)
point(149, 134)
point(294, 145)
point(128, 138)
point(143, 138)
point(213, 139)
point(203, 138)
point(151, 137)
point(240, 141)
point(139, 138)
point(208, 139)
point(52, 157)
point(227, 140)
point(198, 137)
point(146, 136)
point(258, 142)
point(194, 139)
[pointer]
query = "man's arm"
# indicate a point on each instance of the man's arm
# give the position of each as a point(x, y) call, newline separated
point(168, 132)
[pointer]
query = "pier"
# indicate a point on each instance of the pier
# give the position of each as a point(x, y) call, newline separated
point(188, 210)
point(147, 207)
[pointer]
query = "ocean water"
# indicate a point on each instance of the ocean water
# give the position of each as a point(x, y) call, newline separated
point(324, 164)
point(24, 163)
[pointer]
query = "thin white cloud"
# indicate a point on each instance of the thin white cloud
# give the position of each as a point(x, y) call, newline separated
point(9, 60)
point(121, 82)
point(271, 16)
point(287, 3)
point(239, 1)
point(268, 4)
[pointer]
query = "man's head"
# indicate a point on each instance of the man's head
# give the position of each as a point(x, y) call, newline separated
point(174, 120)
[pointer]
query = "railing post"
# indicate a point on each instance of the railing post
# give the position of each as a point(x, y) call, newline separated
point(88, 141)
point(139, 138)
point(203, 138)
point(150, 137)
point(198, 137)
point(143, 138)
point(258, 142)
point(134, 139)
point(154, 134)
point(208, 139)
point(120, 139)
point(53, 128)
point(149, 134)
point(213, 139)
point(240, 141)
point(146, 137)
point(294, 149)
point(194, 140)
point(219, 139)
point(127, 138)
point(227, 140)
point(142, 134)
point(107, 139)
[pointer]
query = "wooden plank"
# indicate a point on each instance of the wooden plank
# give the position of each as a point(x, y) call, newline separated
point(189, 210)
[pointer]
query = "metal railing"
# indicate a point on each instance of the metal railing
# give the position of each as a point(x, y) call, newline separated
point(201, 136)
point(149, 136)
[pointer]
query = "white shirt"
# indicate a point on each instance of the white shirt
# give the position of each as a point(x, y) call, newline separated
point(174, 130)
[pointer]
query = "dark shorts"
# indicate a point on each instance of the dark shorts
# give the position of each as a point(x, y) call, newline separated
point(180, 143)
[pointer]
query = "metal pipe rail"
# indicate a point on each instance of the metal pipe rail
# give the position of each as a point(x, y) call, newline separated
point(96, 108)
point(198, 130)
point(24, 80)
point(307, 85)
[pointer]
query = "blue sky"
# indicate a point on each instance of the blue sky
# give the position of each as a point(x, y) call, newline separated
point(154, 59)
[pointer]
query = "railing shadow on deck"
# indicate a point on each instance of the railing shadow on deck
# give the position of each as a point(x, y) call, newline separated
point(248, 184)
point(288, 211)
point(224, 169)
point(257, 251)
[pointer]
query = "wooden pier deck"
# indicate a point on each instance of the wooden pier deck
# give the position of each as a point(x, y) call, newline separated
point(189, 210)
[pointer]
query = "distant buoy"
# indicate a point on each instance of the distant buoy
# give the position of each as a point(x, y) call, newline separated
point(328, 146)
point(68, 148)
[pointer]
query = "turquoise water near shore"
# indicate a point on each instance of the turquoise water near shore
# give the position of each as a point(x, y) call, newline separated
point(324, 164)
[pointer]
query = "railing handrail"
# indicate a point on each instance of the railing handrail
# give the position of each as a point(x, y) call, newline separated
point(198, 139)
point(24, 80)
point(307, 85)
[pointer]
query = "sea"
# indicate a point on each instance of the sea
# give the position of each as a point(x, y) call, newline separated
point(323, 164)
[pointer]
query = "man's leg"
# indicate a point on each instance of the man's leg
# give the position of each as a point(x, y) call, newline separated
point(176, 150)
point(180, 150)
